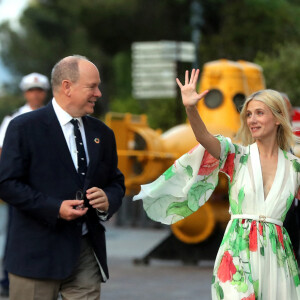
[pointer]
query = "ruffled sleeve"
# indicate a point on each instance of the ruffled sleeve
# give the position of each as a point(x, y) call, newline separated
point(187, 184)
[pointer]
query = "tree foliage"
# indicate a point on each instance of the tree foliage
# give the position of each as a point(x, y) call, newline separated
point(8, 104)
point(239, 29)
point(101, 30)
point(104, 30)
point(281, 72)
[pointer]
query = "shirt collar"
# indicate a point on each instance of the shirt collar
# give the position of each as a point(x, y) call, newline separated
point(62, 116)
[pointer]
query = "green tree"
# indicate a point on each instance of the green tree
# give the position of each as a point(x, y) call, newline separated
point(104, 31)
point(101, 30)
point(9, 103)
point(239, 29)
point(280, 70)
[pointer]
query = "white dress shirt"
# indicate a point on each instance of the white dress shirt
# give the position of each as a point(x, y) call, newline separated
point(68, 130)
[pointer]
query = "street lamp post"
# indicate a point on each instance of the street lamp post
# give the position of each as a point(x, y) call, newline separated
point(196, 21)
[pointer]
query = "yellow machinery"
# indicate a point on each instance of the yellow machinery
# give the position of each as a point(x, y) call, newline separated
point(145, 153)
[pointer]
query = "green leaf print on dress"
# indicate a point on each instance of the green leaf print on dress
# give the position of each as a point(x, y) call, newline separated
point(219, 291)
point(233, 205)
point(197, 190)
point(189, 171)
point(169, 173)
point(288, 205)
point(296, 165)
point(229, 232)
point(237, 151)
point(241, 198)
point(236, 206)
point(244, 159)
point(179, 208)
point(272, 238)
point(291, 261)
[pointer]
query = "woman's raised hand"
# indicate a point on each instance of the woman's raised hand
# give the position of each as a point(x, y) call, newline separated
point(189, 95)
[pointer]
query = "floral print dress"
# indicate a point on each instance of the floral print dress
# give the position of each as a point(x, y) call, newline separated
point(255, 259)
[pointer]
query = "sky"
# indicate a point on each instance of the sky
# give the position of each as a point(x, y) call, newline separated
point(9, 10)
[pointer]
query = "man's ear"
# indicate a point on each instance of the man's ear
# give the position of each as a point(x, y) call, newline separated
point(66, 86)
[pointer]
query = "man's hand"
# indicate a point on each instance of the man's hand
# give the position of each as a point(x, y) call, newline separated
point(97, 199)
point(68, 210)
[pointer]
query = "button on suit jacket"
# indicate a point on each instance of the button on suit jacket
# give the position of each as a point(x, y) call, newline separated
point(36, 174)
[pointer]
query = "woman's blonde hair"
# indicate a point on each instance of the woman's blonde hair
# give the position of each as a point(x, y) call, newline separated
point(285, 137)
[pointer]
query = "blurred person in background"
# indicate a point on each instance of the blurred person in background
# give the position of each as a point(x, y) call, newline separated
point(291, 222)
point(34, 87)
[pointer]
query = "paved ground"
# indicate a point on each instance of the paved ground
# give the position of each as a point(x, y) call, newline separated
point(164, 280)
point(161, 280)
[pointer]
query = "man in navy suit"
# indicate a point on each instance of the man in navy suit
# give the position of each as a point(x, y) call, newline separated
point(56, 243)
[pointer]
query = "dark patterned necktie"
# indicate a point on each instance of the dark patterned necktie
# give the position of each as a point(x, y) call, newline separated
point(81, 157)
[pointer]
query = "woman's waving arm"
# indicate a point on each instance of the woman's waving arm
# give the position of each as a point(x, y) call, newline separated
point(190, 98)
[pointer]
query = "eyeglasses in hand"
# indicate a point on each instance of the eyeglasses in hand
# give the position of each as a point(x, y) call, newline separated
point(79, 196)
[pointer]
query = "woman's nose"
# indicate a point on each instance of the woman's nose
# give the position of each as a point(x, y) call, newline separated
point(252, 119)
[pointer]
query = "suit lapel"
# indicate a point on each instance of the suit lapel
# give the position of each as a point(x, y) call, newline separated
point(93, 141)
point(57, 139)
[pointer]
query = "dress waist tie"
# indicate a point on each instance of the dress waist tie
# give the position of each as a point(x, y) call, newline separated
point(257, 218)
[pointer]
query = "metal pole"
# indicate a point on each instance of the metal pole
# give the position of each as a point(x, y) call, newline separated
point(196, 22)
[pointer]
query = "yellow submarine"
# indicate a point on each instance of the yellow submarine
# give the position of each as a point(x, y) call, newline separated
point(145, 153)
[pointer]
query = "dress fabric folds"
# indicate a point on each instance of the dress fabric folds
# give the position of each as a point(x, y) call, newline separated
point(255, 259)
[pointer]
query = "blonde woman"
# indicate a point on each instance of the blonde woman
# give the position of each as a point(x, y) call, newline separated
point(255, 259)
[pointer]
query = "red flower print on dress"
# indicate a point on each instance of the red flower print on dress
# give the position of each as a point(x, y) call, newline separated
point(253, 237)
point(226, 269)
point(280, 235)
point(208, 164)
point(229, 165)
point(251, 297)
point(298, 194)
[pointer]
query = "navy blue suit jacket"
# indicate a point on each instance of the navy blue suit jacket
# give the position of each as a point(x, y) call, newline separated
point(36, 174)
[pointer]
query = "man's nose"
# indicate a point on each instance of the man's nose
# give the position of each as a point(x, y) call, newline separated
point(98, 93)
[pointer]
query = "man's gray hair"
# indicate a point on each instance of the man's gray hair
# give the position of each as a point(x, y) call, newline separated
point(66, 69)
